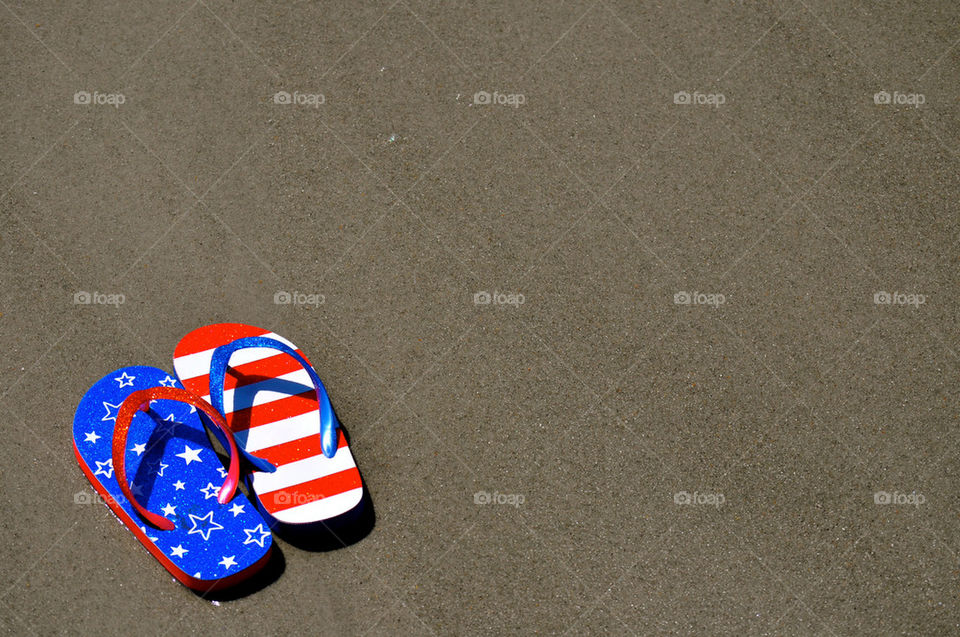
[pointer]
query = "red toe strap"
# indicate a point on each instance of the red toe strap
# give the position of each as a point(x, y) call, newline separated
point(140, 400)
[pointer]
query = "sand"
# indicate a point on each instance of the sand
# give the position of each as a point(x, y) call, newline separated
point(641, 319)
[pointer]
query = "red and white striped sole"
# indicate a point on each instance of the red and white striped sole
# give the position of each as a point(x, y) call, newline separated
point(273, 419)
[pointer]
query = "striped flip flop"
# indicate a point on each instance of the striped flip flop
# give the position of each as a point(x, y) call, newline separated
point(278, 409)
point(138, 439)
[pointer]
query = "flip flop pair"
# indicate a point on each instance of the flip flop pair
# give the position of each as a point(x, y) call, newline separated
point(140, 436)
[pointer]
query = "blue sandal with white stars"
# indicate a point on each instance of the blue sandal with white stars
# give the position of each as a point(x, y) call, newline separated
point(139, 439)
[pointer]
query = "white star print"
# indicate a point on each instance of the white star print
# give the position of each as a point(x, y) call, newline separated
point(227, 562)
point(125, 380)
point(204, 533)
point(167, 382)
point(135, 489)
point(222, 472)
point(178, 550)
point(170, 425)
point(178, 485)
point(108, 416)
point(162, 467)
point(189, 455)
point(264, 534)
point(169, 509)
point(209, 491)
point(236, 509)
point(104, 468)
point(138, 449)
point(91, 437)
point(144, 529)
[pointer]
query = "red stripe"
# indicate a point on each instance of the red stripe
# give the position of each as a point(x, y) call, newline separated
point(196, 386)
point(273, 411)
point(294, 450)
point(248, 373)
point(312, 490)
point(211, 336)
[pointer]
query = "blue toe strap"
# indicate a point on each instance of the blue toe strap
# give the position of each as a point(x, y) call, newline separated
point(218, 371)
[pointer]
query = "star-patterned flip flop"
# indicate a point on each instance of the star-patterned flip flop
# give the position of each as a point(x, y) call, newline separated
point(139, 439)
point(278, 408)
